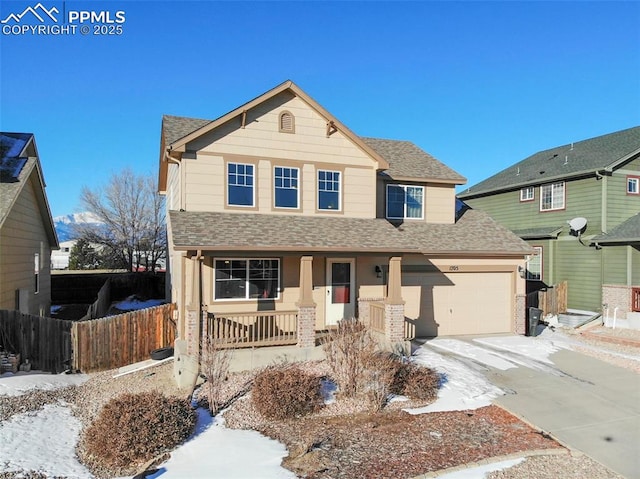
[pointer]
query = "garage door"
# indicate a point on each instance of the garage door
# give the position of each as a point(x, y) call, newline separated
point(444, 304)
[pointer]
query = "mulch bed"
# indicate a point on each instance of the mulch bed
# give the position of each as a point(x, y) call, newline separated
point(398, 445)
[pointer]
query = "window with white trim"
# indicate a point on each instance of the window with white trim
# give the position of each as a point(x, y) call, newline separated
point(247, 278)
point(286, 193)
point(329, 190)
point(552, 196)
point(240, 184)
point(633, 185)
point(405, 202)
point(527, 194)
point(534, 265)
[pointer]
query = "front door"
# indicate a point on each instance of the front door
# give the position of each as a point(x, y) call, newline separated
point(341, 294)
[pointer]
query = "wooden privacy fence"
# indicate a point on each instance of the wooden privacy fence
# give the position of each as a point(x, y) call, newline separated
point(553, 300)
point(116, 341)
point(45, 342)
point(243, 330)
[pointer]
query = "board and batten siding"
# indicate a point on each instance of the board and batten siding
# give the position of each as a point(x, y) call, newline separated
point(23, 235)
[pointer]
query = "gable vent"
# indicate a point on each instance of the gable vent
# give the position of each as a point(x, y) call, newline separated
point(286, 122)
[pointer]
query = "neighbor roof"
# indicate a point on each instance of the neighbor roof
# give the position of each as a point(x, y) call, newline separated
point(626, 232)
point(544, 232)
point(475, 233)
point(18, 163)
point(600, 154)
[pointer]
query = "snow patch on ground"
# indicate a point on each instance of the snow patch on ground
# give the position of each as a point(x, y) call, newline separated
point(536, 349)
point(22, 382)
point(43, 441)
point(480, 472)
point(472, 352)
point(462, 387)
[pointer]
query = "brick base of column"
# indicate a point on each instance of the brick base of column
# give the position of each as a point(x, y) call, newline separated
point(520, 314)
point(617, 296)
point(307, 327)
point(192, 333)
point(394, 322)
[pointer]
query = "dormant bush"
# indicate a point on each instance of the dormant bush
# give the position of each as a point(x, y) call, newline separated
point(284, 392)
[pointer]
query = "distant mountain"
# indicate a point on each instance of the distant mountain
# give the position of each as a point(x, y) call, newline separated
point(66, 225)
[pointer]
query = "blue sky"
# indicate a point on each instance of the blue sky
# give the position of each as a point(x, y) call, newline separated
point(480, 85)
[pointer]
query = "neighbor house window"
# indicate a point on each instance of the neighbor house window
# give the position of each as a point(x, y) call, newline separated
point(405, 201)
point(552, 196)
point(329, 190)
point(527, 194)
point(287, 122)
point(286, 187)
point(534, 265)
point(633, 185)
point(247, 278)
point(240, 181)
point(36, 271)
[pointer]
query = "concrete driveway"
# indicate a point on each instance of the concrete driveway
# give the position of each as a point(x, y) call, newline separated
point(585, 403)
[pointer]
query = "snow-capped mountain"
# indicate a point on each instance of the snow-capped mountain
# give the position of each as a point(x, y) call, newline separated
point(66, 225)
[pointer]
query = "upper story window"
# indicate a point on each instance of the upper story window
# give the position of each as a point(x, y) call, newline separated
point(329, 190)
point(404, 201)
point(534, 265)
point(527, 194)
point(552, 196)
point(633, 185)
point(286, 187)
point(286, 122)
point(247, 278)
point(240, 184)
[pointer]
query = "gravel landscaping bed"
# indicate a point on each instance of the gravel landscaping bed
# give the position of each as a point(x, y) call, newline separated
point(346, 441)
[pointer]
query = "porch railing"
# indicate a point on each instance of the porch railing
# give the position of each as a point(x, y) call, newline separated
point(376, 317)
point(243, 330)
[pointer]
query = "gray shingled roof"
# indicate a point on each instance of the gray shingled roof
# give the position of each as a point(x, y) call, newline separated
point(176, 127)
point(626, 232)
point(475, 233)
point(571, 160)
point(539, 233)
point(406, 160)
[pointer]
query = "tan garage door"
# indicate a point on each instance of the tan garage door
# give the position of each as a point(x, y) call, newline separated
point(444, 304)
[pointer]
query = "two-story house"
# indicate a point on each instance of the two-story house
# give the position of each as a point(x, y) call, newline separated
point(282, 220)
point(27, 234)
point(577, 205)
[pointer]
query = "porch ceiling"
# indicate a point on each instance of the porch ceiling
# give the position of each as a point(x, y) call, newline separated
point(474, 233)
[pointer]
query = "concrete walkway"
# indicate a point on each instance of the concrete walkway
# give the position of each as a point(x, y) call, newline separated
point(587, 404)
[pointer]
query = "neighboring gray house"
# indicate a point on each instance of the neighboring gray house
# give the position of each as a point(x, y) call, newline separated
point(27, 234)
point(577, 205)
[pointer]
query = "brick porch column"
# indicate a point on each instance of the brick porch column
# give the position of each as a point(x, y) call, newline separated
point(306, 305)
point(394, 304)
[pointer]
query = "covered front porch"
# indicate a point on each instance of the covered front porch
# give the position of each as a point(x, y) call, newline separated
point(289, 299)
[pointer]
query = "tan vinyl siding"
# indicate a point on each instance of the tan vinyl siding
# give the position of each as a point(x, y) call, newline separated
point(439, 204)
point(23, 235)
point(261, 143)
point(173, 187)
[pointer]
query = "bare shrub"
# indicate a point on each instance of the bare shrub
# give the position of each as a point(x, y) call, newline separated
point(380, 370)
point(416, 382)
point(347, 349)
point(214, 367)
point(134, 428)
point(283, 392)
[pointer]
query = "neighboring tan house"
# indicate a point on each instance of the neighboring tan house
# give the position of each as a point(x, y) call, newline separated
point(577, 204)
point(27, 234)
point(278, 212)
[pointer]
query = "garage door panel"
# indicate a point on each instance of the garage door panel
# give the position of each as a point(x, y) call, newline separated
point(458, 303)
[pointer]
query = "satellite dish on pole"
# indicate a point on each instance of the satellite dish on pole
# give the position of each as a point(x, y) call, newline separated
point(578, 225)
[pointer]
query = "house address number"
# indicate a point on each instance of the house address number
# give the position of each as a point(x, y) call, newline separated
point(454, 268)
